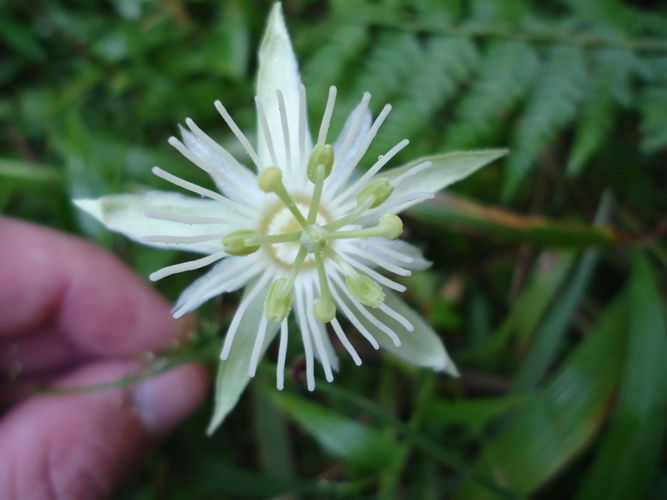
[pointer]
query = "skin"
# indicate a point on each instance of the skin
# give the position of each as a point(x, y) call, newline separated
point(72, 315)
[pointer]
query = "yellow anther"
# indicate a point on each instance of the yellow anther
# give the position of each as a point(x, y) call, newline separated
point(278, 301)
point(380, 189)
point(391, 226)
point(364, 289)
point(323, 154)
point(324, 310)
point(270, 179)
point(236, 243)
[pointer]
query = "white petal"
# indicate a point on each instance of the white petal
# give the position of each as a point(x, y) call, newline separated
point(421, 346)
point(227, 276)
point(233, 375)
point(242, 185)
point(125, 213)
point(446, 169)
point(398, 252)
point(278, 70)
point(353, 143)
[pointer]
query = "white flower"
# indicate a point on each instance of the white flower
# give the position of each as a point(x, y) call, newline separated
point(304, 234)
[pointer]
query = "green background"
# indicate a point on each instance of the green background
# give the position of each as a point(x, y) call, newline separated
point(548, 284)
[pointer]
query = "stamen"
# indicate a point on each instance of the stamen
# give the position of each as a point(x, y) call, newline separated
point(202, 191)
point(271, 239)
point(282, 354)
point(190, 219)
point(368, 138)
point(317, 195)
point(370, 317)
point(286, 136)
point(389, 227)
point(352, 318)
point(264, 125)
point(377, 276)
point(217, 148)
point(359, 285)
point(352, 216)
point(243, 306)
point(186, 266)
point(397, 316)
point(278, 301)
point(326, 119)
point(382, 161)
point(339, 260)
point(411, 172)
point(317, 333)
point(345, 341)
point(324, 308)
point(271, 180)
point(380, 189)
point(240, 243)
point(239, 135)
point(294, 272)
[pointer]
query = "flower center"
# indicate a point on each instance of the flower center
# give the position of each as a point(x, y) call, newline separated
point(278, 220)
point(298, 232)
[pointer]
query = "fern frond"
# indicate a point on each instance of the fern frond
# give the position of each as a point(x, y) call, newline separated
point(326, 66)
point(388, 65)
point(612, 86)
point(653, 109)
point(506, 72)
point(445, 62)
point(551, 106)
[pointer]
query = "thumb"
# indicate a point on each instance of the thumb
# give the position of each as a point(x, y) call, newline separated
point(79, 446)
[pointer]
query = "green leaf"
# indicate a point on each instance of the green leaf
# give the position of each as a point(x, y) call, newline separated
point(543, 435)
point(339, 435)
point(549, 339)
point(473, 413)
point(233, 376)
point(627, 459)
point(447, 209)
point(653, 107)
point(30, 174)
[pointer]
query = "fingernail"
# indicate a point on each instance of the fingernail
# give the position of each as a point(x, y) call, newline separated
point(164, 401)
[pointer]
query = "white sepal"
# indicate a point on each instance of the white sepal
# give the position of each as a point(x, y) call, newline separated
point(279, 70)
point(233, 376)
point(446, 169)
point(126, 214)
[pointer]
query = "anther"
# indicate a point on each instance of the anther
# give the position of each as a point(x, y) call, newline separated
point(237, 243)
point(391, 226)
point(278, 301)
point(323, 154)
point(324, 310)
point(379, 189)
point(270, 179)
point(364, 289)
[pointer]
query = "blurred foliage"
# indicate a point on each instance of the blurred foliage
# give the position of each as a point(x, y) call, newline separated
point(555, 315)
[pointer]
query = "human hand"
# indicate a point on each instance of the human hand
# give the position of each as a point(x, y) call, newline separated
point(72, 315)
